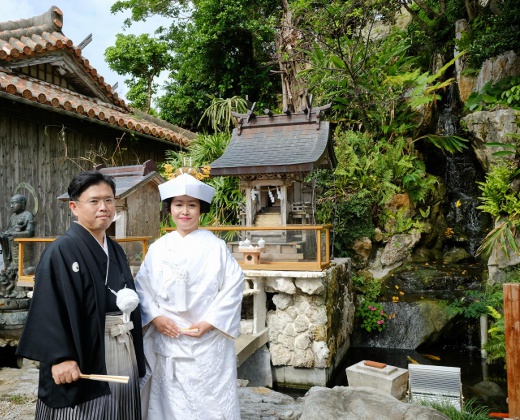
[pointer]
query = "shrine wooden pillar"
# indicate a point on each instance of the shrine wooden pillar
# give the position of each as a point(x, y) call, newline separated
point(512, 334)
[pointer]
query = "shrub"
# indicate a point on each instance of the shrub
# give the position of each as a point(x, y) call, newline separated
point(372, 316)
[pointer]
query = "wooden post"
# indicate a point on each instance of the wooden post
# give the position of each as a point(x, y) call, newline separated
point(512, 333)
point(318, 244)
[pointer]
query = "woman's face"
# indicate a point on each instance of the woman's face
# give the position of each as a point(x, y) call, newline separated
point(185, 211)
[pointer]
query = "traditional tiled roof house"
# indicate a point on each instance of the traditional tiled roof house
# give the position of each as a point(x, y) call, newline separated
point(58, 116)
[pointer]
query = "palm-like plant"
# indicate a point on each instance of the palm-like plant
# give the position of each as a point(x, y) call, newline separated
point(219, 113)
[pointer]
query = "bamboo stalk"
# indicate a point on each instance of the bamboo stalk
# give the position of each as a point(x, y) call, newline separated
point(106, 378)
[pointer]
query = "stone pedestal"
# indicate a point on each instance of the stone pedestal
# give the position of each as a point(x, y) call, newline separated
point(309, 331)
point(389, 379)
point(13, 314)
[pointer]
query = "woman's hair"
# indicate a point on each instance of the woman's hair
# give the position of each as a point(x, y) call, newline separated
point(166, 205)
point(85, 180)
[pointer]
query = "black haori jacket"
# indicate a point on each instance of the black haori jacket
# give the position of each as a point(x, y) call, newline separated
point(66, 319)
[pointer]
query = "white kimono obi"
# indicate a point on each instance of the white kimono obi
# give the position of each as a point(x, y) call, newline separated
point(191, 279)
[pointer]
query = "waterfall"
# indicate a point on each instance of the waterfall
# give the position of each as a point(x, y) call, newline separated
point(461, 174)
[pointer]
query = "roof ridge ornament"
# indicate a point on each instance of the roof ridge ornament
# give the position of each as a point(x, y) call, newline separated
point(248, 116)
point(307, 110)
point(318, 110)
point(308, 101)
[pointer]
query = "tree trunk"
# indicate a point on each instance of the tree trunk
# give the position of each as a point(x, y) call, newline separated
point(290, 62)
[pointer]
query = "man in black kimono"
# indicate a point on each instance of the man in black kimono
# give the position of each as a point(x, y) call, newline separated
point(75, 324)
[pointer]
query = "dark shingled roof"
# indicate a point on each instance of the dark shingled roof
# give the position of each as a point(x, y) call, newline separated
point(276, 144)
point(128, 178)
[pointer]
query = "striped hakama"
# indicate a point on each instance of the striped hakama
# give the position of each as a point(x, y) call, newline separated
point(124, 402)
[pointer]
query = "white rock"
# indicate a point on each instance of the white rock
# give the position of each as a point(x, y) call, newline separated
point(282, 301)
point(301, 323)
point(310, 286)
point(321, 354)
point(280, 355)
point(302, 342)
point(281, 284)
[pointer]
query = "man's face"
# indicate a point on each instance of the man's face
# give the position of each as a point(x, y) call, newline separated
point(93, 211)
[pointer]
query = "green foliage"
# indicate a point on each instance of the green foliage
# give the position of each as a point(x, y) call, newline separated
point(137, 94)
point(431, 28)
point(501, 201)
point(491, 32)
point(228, 201)
point(351, 216)
point(367, 287)
point(223, 51)
point(470, 411)
point(143, 58)
point(16, 399)
point(208, 147)
point(493, 35)
point(496, 345)
point(476, 302)
point(219, 113)
point(218, 49)
point(142, 10)
point(489, 301)
point(398, 222)
point(498, 197)
point(505, 92)
point(380, 168)
point(368, 174)
point(372, 316)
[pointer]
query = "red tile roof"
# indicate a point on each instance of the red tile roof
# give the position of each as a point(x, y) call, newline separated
point(29, 42)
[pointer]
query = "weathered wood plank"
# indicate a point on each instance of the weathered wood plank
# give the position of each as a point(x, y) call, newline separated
point(512, 333)
point(46, 149)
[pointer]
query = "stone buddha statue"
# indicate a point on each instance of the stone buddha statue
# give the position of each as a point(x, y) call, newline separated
point(21, 225)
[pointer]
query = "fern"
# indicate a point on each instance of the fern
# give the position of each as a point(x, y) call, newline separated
point(496, 344)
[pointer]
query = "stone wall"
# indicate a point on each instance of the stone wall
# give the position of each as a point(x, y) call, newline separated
point(309, 331)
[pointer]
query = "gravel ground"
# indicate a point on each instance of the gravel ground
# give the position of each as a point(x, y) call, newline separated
point(18, 390)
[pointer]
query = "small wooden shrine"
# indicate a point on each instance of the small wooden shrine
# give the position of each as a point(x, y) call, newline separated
point(273, 154)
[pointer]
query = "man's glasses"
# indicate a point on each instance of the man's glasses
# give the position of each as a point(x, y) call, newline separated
point(94, 202)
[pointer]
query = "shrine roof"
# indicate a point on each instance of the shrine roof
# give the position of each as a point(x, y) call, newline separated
point(28, 44)
point(295, 143)
point(128, 178)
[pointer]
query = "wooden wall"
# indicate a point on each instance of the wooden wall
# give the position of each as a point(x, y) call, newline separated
point(46, 149)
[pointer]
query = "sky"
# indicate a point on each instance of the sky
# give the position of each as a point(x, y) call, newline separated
point(84, 17)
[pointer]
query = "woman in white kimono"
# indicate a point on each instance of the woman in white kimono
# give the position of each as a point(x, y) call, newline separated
point(190, 289)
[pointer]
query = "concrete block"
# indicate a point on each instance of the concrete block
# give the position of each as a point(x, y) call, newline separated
point(257, 369)
point(389, 379)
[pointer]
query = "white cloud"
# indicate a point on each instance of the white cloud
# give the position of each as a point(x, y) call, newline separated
point(81, 18)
